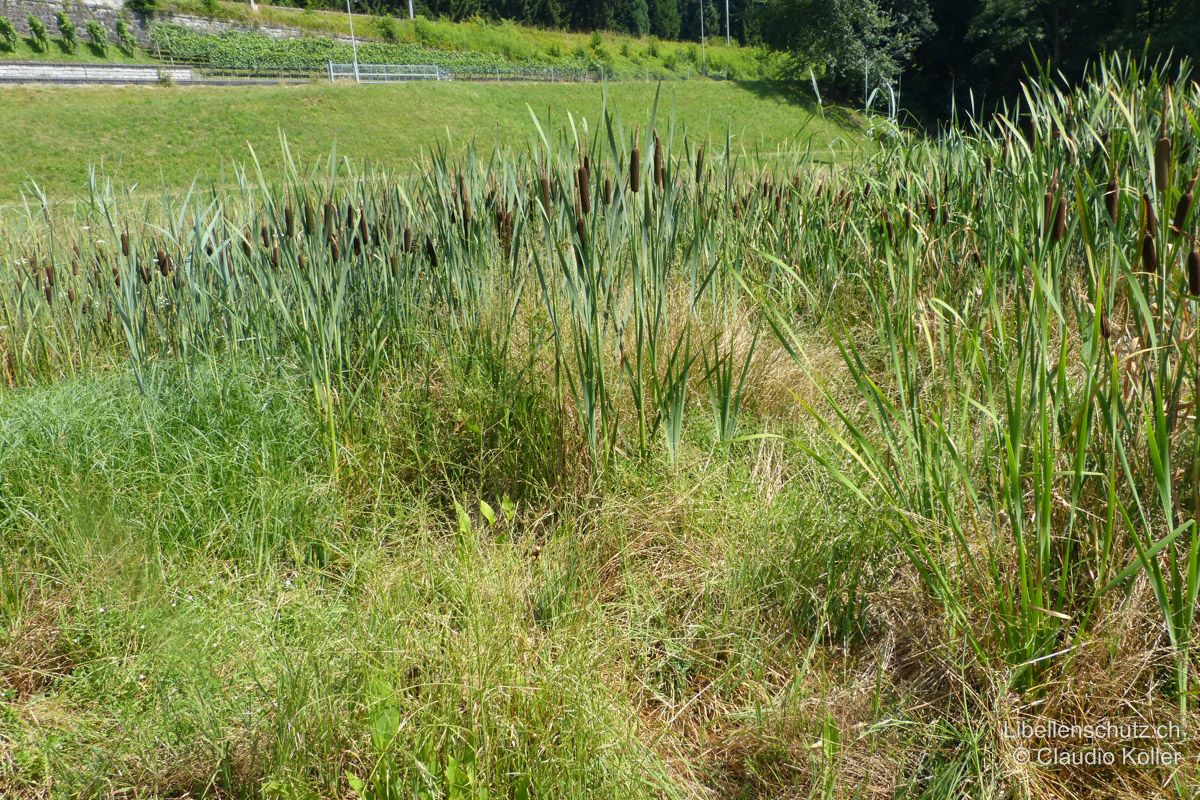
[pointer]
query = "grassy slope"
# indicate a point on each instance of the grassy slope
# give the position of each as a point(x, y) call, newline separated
point(517, 42)
point(159, 136)
point(85, 53)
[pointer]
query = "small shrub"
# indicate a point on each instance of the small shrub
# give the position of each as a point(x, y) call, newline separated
point(423, 30)
point(554, 50)
point(652, 48)
point(388, 30)
point(579, 53)
point(98, 36)
point(625, 50)
point(8, 34)
point(144, 7)
point(37, 30)
point(670, 61)
point(66, 29)
point(125, 37)
point(595, 41)
point(211, 8)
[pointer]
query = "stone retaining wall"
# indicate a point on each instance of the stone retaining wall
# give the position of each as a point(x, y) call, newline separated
point(106, 12)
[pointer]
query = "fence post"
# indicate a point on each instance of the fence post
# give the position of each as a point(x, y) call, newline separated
point(331, 71)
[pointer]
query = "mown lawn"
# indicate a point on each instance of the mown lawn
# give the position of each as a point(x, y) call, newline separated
point(167, 136)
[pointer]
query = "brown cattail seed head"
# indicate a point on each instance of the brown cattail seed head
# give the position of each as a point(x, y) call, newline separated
point(1112, 198)
point(1183, 209)
point(1151, 217)
point(408, 242)
point(330, 221)
point(635, 170)
point(335, 251)
point(544, 181)
point(164, 264)
point(362, 227)
point(585, 190)
point(289, 221)
point(1060, 220)
point(700, 164)
point(1149, 254)
point(125, 244)
point(310, 218)
point(1194, 272)
point(431, 252)
point(1162, 164)
point(659, 175)
point(266, 236)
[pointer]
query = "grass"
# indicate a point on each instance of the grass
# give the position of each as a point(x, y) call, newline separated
point(622, 52)
point(165, 137)
point(84, 53)
point(598, 468)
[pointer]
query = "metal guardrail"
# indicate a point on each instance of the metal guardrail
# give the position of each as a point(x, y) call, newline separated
point(386, 73)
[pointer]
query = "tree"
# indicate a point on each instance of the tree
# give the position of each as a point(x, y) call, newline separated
point(664, 18)
point(66, 29)
point(8, 34)
point(98, 36)
point(635, 17)
point(849, 38)
point(37, 30)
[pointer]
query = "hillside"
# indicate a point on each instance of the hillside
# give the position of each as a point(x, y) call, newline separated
point(155, 136)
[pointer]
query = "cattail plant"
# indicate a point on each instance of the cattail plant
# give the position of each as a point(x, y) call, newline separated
point(635, 168)
point(1193, 271)
point(659, 174)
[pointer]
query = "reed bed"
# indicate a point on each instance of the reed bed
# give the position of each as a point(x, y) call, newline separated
point(1013, 304)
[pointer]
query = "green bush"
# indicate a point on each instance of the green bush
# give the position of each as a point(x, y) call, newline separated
point(8, 34)
point(66, 29)
point(98, 36)
point(143, 7)
point(248, 49)
point(211, 8)
point(388, 30)
point(125, 37)
point(37, 30)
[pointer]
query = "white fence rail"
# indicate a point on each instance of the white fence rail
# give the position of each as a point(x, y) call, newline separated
point(387, 73)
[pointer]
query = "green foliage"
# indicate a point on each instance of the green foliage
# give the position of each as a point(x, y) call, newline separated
point(38, 32)
point(125, 36)
point(211, 8)
point(8, 33)
point(98, 36)
point(66, 29)
point(853, 39)
point(146, 8)
point(387, 28)
point(244, 49)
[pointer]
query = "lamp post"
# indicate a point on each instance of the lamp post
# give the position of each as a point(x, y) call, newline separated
point(353, 42)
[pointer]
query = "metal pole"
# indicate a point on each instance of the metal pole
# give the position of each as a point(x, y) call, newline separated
point(353, 43)
point(702, 71)
point(726, 21)
point(411, 15)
